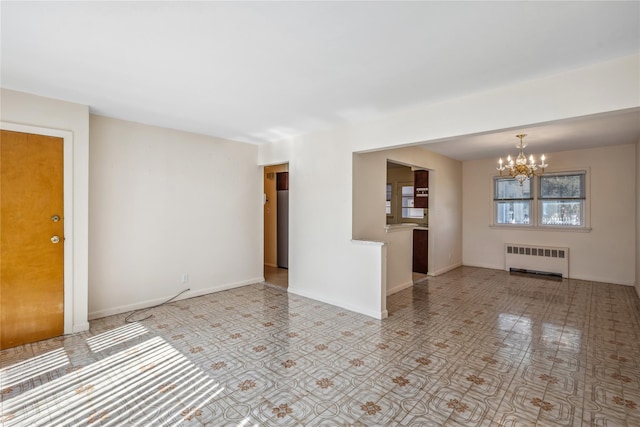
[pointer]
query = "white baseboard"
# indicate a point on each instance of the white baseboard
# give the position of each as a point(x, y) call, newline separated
point(445, 269)
point(571, 275)
point(80, 327)
point(191, 294)
point(398, 288)
point(489, 266)
point(382, 314)
point(599, 280)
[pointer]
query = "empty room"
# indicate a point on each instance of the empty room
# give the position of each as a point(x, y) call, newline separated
point(300, 213)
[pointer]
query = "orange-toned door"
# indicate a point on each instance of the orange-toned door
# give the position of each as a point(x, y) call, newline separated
point(31, 238)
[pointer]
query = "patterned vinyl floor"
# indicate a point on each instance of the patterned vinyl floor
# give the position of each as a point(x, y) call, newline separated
point(471, 347)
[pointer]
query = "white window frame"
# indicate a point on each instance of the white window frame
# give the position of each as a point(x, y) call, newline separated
point(536, 205)
point(392, 209)
point(583, 205)
point(399, 210)
point(528, 201)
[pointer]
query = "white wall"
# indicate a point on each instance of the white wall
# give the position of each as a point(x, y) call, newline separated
point(326, 182)
point(605, 254)
point(445, 205)
point(26, 109)
point(164, 203)
point(445, 211)
point(323, 263)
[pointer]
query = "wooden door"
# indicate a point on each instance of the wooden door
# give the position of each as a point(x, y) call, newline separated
point(31, 238)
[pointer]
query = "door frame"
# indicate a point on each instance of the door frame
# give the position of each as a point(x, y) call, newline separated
point(67, 177)
point(273, 202)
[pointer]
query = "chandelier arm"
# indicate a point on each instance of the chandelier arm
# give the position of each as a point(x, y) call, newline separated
point(520, 169)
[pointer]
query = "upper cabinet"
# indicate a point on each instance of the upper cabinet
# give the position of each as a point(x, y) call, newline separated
point(421, 189)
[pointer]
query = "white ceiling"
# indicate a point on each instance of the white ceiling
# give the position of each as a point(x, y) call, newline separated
point(263, 71)
point(617, 128)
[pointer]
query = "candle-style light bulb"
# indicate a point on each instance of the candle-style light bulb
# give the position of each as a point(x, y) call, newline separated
point(542, 163)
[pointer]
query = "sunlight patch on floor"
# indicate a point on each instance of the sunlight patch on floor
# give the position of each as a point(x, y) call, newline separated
point(33, 367)
point(116, 336)
point(150, 383)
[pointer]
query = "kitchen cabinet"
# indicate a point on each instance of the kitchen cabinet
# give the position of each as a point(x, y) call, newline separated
point(421, 189)
point(420, 251)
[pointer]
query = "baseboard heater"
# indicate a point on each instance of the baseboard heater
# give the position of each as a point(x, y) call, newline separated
point(547, 260)
point(543, 274)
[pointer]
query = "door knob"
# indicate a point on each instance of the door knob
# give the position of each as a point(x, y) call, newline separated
point(55, 218)
point(55, 239)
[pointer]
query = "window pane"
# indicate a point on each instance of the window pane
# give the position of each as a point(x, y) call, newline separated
point(561, 212)
point(417, 213)
point(562, 186)
point(389, 187)
point(408, 211)
point(513, 212)
point(507, 188)
point(407, 190)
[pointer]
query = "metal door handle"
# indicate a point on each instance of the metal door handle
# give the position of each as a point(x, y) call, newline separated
point(55, 218)
point(55, 239)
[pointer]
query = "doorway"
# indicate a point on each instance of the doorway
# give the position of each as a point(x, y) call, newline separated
point(32, 244)
point(408, 204)
point(276, 225)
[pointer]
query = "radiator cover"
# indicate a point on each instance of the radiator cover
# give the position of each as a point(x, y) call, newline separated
point(549, 259)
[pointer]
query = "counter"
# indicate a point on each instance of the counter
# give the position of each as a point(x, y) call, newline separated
point(391, 228)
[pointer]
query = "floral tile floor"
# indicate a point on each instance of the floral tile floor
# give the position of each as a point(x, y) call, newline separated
point(471, 347)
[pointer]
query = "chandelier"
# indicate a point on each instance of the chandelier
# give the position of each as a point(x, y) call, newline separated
point(519, 169)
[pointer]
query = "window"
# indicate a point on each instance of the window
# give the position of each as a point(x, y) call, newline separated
point(389, 194)
point(408, 211)
point(512, 201)
point(561, 200)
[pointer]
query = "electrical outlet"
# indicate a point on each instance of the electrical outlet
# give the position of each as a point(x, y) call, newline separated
point(184, 278)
